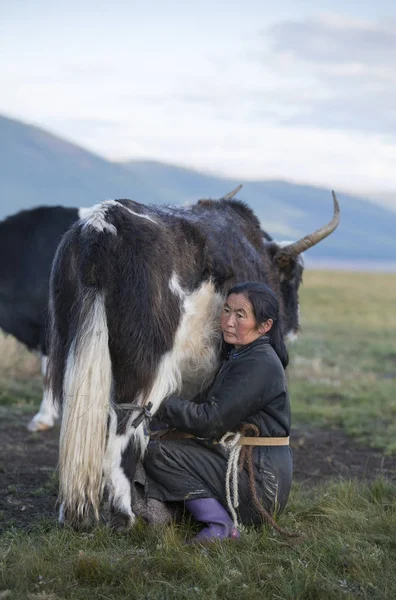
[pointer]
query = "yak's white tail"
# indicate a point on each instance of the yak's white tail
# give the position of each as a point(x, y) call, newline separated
point(87, 388)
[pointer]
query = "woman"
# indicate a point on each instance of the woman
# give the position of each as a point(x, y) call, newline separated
point(249, 388)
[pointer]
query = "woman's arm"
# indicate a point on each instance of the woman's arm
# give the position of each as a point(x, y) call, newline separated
point(248, 386)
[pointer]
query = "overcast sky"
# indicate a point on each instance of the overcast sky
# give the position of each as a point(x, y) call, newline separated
point(297, 90)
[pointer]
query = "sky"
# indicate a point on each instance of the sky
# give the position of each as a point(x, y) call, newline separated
point(303, 91)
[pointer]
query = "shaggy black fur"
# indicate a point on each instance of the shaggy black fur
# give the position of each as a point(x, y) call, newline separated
point(28, 241)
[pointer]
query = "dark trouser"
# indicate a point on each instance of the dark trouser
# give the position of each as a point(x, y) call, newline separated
point(179, 470)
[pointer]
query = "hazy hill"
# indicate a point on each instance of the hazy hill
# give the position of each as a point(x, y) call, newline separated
point(39, 168)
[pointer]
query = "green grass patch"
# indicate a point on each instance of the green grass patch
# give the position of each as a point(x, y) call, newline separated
point(20, 394)
point(349, 552)
point(18, 398)
point(343, 367)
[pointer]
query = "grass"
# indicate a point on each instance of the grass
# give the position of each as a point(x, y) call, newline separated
point(20, 382)
point(343, 368)
point(343, 375)
point(348, 553)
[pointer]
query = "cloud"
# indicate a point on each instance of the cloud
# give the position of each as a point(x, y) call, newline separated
point(334, 40)
point(332, 73)
point(371, 112)
point(329, 73)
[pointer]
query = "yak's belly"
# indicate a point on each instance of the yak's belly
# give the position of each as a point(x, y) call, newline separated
point(198, 339)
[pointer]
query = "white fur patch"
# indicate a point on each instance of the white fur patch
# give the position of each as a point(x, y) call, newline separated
point(117, 483)
point(175, 287)
point(138, 215)
point(96, 216)
point(291, 337)
point(84, 212)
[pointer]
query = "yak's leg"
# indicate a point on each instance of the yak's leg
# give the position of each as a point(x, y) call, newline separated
point(119, 468)
point(48, 412)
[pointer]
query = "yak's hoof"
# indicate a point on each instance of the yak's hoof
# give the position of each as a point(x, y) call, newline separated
point(120, 521)
point(37, 425)
point(81, 524)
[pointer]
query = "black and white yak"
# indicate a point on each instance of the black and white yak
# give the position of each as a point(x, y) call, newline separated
point(135, 297)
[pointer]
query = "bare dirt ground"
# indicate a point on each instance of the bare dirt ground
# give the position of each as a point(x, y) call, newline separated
point(28, 481)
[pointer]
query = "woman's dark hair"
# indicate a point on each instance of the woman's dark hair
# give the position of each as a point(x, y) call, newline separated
point(265, 306)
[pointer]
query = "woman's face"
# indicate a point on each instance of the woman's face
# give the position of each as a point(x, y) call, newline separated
point(238, 322)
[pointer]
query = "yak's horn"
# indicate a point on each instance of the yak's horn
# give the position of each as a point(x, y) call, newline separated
point(232, 194)
point(313, 238)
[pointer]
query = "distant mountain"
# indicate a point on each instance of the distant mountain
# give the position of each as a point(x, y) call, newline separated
point(39, 168)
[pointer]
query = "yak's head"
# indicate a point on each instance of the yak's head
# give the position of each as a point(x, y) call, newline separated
point(285, 264)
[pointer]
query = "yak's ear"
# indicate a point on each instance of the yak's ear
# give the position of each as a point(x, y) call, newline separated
point(283, 261)
point(272, 248)
point(287, 264)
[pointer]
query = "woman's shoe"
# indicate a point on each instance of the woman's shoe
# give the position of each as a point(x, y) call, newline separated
point(219, 523)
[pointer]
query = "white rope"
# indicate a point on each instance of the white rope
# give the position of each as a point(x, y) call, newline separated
point(229, 442)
